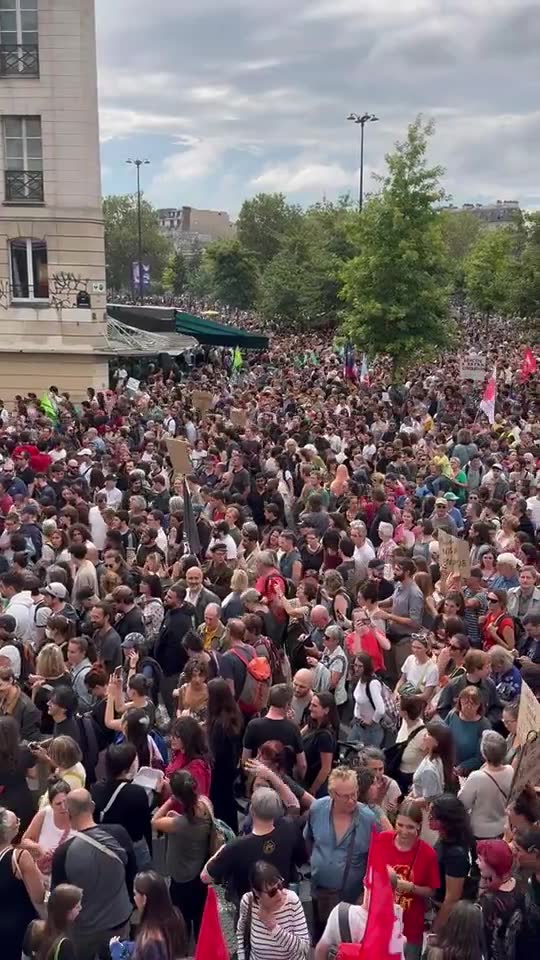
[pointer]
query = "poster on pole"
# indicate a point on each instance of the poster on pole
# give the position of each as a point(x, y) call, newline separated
point(178, 451)
point(238, 417)
point(529, 714)
point(454, 554)
point(202, 400)
point(473, 368)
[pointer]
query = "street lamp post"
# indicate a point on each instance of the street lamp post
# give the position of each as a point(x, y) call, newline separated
point(138, 164)
point(362, 119)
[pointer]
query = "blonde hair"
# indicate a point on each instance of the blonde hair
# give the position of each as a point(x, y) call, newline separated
point(64, 752)
point(341, 775)
point(239, 581)
point(50, 662)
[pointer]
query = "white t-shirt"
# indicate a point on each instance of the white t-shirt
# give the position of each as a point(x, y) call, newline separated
point(533, 509)
point(357, 922)
point(362, 555)
point(421, 675)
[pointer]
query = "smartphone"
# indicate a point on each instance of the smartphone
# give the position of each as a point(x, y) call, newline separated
point(118, 672)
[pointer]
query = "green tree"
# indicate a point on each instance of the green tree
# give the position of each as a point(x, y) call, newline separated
point(395, 287)
point(489, 271)
point(264, 222)
point(121, 246)
point(524, 295)
point(460, 230)
point(175, 274)
point(234, 273)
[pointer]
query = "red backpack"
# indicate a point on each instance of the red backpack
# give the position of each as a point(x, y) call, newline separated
point(254, 693)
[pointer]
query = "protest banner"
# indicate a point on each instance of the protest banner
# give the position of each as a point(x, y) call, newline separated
point(454, 554)
point(202, 400)
point(529, 714)
point(473, 368)
point(238, 417)
point(133, 385)
point(178, 451)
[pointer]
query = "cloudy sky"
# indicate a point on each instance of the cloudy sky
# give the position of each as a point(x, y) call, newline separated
point(231, 97)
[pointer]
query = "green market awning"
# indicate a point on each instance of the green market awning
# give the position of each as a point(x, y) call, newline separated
point(209, 331)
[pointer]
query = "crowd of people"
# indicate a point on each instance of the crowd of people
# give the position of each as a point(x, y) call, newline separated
point(239, 677)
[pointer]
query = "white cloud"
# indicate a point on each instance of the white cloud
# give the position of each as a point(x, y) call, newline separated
point(194, 163)
point(116, 122)
point(311, 176)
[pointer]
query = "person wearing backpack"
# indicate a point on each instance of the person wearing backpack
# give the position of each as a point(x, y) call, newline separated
point(369, 706)
point(276, 726)
point(238, 668)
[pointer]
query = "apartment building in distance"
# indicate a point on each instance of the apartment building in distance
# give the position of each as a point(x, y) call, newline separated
point(188, 225)
point(491, 215)
point(53, 326)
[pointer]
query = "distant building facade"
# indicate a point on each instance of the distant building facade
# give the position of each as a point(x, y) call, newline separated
point(189, 226)
point(492, 215)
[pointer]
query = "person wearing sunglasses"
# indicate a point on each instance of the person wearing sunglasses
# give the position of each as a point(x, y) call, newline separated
point(272, 920)
point(497, 626)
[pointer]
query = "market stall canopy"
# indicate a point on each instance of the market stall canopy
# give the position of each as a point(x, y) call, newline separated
point(210, 331)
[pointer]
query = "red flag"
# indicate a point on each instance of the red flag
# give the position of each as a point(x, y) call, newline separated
point(383, 938)
point(528, 365)
point(211, 943)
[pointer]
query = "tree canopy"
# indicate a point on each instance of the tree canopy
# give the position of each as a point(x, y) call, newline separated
point(395, 287)
point(121, 245)
point(264, 222)
point(233, 273)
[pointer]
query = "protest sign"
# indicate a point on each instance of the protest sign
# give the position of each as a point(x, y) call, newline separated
point(202, 400)
point(473, 368)
point(178, 451)
point(529, 714)
point(528, 768)
point(454, 554)
point(238, 417)
point(133, 385)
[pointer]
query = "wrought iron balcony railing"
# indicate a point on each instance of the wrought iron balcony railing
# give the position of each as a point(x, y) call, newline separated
point(24, 186)
point(19, 60)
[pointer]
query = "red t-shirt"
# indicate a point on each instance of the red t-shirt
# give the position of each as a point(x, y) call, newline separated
point(500, 622)
point(366, 644)
point(418, 866)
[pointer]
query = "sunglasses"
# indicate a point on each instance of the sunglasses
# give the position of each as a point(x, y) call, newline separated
point(271, 892)
point(493, 599)
point(453, 646)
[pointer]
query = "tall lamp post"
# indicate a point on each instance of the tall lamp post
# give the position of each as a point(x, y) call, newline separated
point(362, 119)
point(138, 164)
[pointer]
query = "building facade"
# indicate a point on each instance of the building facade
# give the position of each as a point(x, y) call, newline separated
point(188, 226)
point(491, 215)
point(52, 257)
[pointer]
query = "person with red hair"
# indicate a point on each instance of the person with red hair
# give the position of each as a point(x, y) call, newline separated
point(498, 894)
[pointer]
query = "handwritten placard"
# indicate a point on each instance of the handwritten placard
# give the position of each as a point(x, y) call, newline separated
point(454, 554)
point(473, 368)
point(529, 714)
point(238, 417)
point(202, 400)
point(178, 451)
point(528, 768)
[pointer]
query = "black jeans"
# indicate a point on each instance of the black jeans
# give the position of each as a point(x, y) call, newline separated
point(190, 898)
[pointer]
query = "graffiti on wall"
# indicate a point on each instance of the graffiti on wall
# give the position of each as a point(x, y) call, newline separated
point(64, 289)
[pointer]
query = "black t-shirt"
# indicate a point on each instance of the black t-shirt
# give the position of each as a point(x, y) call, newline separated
point(130, 808)
point(130, 622)
point(316, 742)
point(262, 729)
point(14, 790)
point(454, 861)
point(283, 847)
point(68, 728)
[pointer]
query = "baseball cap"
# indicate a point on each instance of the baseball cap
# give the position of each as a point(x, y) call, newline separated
point(441, 502)
point(218, 547)
point(133, 641)
point(450, 496)
point(85, 452)
point(57, 590)
point(496, 466)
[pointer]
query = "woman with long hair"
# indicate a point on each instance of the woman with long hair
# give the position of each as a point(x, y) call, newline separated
point(50, 827)
point(51, 671)
point(435, 773)
point(118, 800)
point(161, 932)
point(193, 694)
point(456, 852)
point(16, 765)
point(414, 866)
point(319, 739)
point(270, 769)
point(188, 836)
point(21, 888)
point(49, 939)
point(189, 746)
point(419, 674)
point(369, 706)
point(462, 935)
point(224, 726)
point(151, 603)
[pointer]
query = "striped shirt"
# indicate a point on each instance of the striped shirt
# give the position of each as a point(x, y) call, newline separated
point(289, 939)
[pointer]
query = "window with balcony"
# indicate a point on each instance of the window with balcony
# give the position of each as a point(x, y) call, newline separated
point(29, 270)
point(19, 51)
point(23, 160)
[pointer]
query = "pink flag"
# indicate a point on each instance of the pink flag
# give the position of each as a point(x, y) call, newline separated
point(364, 371)
point(529, 363)
point(487, 404)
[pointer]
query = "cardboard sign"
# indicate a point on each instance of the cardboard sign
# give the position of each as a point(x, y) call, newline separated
point(202, 400)
point(473, 368)
point(528, 768)
point(238, 417)
point(454, 555)
point(133, 385)
point(529, 714)
point(178, 451)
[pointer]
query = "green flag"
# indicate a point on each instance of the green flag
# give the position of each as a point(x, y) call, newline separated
point(48, 407)
point(238, 363)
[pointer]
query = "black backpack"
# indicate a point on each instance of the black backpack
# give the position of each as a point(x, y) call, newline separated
point(157, 677)
point(88, 742)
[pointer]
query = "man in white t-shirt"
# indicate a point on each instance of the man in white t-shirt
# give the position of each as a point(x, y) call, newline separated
point(363, 548)
point(334, 934)
point(533, 509)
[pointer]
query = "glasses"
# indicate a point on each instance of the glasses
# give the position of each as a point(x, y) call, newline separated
point(345, 796)
point(270, 892)
point(454, 646)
